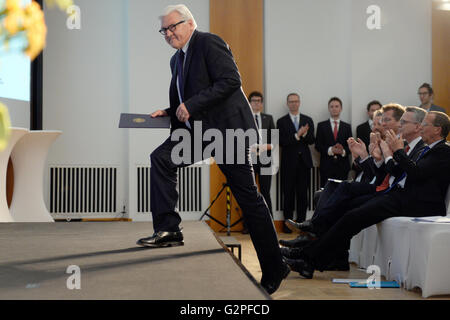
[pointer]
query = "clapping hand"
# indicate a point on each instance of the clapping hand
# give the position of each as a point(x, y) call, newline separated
point(358, 148)
point(395, 143)
point(387, 152)
point(303, 130)
point(337, 148)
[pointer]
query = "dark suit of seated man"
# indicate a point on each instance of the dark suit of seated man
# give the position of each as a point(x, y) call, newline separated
point(421, 192)
point(348, 195)
point(206, 88)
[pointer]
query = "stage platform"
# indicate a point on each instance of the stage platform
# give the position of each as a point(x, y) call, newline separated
point(34, 258)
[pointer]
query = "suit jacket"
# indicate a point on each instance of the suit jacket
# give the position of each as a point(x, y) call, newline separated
point(427, 179)
point(363, 132)
point(437, 108)
point(391, 167)
point(325, 139)
point(212, 86)
point(268, 125)
point(291, 148)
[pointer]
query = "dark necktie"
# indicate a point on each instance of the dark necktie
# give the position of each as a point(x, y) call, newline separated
point(180, 67)
point(385, 184)
point(256, 119)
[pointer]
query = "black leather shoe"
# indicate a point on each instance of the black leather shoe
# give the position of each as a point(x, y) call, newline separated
point(291, 253)
point(162, 239)
point(286, 229)
point(298, 242)
point(338, 265)
point(303, 267)
point(273, 286)
point(303, 227)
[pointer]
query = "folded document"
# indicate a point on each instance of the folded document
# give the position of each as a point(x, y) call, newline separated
point(133, 120)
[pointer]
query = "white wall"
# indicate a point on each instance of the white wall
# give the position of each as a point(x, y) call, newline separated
point(307, 47)
point(323, 48)
point(391, 63)
point(85, 88)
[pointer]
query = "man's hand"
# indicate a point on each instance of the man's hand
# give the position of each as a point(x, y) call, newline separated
point(338, 149)
point(375, 138)
point(387, 152)
point(394, 142)
point(182, 113)
point(358, 148)
point(374, 148)
point(303, 130)
point(159, 113)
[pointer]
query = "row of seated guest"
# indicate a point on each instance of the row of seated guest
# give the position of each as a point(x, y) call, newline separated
point(297, 133)
point(410, 170)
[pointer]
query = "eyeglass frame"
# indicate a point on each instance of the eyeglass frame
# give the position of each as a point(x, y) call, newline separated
point(402, 122)
point(172, 28)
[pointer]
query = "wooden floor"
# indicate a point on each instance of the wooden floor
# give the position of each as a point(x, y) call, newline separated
point(321, 287)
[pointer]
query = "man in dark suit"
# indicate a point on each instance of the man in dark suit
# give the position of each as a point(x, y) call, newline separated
point(206, 90)
point(419, 192)
point(426, 96)
point(265, 122)
point(363, 130)
point(331, 142)
point(296, 133)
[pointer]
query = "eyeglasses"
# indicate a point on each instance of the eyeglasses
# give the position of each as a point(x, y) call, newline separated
point(172, 28)
point(402, 122)
point(293, 101)
point(426, 124)
point(422, 93)
point(256, 100)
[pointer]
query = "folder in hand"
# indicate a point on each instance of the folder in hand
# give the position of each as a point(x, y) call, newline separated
point(134, 120)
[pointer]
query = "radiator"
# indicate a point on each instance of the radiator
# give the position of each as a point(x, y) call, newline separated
point(189, 189)
point(314, 185)
point(83, 189)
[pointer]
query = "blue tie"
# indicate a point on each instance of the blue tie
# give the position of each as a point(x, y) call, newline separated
point(180, 64)
point(423, 153)
point(296, 123)
point(404, 173)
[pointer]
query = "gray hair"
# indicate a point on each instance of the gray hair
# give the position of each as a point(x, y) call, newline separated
point(182, 10)
point(419, 114)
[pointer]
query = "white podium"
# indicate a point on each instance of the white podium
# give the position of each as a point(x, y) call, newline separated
point(16, 135)
point(29, 157)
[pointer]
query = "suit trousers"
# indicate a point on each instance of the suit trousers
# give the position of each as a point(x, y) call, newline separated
point(241, 179)
point(338, 198)
point(380, 207)
point(265, 183)
point(295, 182)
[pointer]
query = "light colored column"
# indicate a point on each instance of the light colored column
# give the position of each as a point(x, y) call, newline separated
point(16, 135)
point(29, 158)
